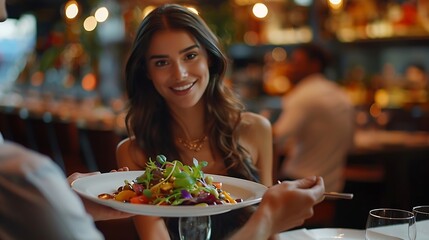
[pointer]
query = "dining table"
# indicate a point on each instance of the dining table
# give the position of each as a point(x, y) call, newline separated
point(390, 232)
point(323, 233)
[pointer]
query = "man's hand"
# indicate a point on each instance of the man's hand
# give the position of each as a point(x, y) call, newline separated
point(97, 211)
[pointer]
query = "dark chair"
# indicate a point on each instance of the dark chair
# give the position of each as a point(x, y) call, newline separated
point(67, 135)
point(5, 128)
point(18, 129)
point(45, 137)
point(99, 148)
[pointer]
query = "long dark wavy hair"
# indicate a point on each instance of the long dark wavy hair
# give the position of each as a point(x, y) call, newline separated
point(148, 118)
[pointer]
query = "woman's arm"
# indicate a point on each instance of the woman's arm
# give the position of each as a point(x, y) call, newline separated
point(130, 155)
point(283, 207)
point(258, 140)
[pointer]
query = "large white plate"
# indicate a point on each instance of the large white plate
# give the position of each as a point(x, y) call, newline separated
point(90, 187)
point(323, 234)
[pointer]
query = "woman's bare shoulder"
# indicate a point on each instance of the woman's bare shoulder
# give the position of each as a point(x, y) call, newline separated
point(253, 121)
point(124, 143)
point(127, 144)
point(128, 154)
point(254, 128)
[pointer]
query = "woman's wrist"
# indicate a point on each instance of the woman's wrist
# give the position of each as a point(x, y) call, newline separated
point(256, 228)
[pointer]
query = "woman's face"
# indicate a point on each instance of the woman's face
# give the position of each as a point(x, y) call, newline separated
point(178, 67)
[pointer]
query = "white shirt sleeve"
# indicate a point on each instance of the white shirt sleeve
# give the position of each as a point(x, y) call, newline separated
point(37, 201)
point(72, 217)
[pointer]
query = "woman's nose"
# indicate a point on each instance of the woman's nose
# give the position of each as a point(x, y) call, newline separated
point(181, 72)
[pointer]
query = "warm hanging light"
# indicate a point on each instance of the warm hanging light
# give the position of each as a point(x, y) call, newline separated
point(101, 14)
point(260, 10)
point(71, 9)
point(336, 5)
point(90, 23)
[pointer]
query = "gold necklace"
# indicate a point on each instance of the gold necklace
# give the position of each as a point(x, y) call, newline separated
point(192, 145)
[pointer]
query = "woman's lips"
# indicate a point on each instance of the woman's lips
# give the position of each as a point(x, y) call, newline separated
point(183, 88)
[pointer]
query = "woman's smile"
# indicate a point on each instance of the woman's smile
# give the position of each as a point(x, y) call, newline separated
point(183, 89)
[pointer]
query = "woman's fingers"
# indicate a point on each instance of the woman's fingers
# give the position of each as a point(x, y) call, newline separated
point(122, 169)
point(77, 175)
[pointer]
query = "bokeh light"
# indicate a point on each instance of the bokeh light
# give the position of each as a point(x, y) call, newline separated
point(101, 14)
point(279, 54)
point(71, 9)
point(89, 82)
point(335, 5)
point(90, 23)
point(260, 10)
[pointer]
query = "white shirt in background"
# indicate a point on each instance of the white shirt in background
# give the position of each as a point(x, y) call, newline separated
point(319, 117)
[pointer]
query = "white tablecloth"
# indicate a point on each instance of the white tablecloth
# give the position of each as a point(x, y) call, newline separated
point(323, 233)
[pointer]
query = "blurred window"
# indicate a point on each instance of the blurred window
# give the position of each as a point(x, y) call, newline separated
point(17, 40)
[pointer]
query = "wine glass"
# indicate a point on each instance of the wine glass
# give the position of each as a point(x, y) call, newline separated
point(390, 224)
point(195, 228)
point(421, 213)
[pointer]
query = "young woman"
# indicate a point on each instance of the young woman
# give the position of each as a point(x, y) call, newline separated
point(180, 107)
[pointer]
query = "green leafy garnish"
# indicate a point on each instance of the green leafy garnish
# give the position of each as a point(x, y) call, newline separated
point(173, 183)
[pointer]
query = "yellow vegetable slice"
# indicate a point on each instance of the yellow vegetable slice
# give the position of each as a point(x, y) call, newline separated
point(125, 195)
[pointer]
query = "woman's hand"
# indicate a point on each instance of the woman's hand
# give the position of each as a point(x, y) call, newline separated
point(283, 207)
point(290, 203)
point(97, 211)
point(77, 175)
point(122, 169)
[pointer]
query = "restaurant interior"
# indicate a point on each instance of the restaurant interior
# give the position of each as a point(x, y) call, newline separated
point(62, 91)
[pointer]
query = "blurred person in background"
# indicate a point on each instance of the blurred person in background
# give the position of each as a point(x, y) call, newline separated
point(316, 127)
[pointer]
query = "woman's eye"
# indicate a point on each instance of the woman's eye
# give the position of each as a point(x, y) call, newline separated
point(191, 56)
point(161, 63)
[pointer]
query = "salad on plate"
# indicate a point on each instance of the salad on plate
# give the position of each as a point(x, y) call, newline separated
point(172, 183)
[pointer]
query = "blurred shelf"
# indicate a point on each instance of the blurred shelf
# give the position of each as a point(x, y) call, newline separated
point(394, 41)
